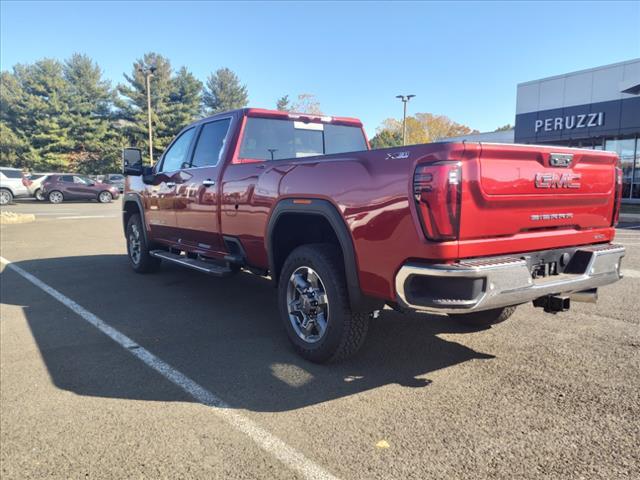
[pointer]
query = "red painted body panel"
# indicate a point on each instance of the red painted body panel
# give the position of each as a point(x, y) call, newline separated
point(373, 193)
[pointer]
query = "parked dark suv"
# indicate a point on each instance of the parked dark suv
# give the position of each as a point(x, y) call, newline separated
point(58, 188)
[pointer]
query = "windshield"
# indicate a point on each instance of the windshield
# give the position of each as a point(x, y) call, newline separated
point(274, 139)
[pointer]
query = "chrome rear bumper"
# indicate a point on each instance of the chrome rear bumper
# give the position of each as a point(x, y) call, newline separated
point(504, 281)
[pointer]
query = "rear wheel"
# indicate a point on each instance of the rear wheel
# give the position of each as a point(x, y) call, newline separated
point(137, 248)
point(6, 197)
point(39, 195)
point(314, 306)
point(484, 318)
point(105, 197)
point(55, 197)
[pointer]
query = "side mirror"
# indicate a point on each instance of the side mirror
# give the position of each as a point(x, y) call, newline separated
point(132, 161)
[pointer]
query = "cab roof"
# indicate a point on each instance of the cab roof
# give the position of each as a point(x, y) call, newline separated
point(304, 117)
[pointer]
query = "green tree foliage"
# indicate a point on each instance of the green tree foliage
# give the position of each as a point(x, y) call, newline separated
point(283, 104)
point(504, 128)
point(386, 138)
point(95, 144)
point(224, 92)
point(64, 116)
point(35, 110)
point(185, 100)
point(133, 104)
point(14, 150)
point(57, 116)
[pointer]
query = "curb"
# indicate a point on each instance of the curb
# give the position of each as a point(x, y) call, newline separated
point(9, 218)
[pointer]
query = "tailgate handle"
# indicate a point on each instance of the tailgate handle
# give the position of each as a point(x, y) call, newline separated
point(561, 160)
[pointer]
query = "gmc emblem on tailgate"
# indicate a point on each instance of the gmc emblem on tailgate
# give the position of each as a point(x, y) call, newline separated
point(557, 180)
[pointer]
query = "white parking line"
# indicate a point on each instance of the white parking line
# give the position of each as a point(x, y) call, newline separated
point(268, 442)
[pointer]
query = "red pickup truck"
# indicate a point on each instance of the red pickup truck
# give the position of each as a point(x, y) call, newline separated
point(466, 229)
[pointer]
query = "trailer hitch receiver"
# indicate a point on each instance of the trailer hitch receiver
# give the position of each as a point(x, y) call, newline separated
point(553, 303)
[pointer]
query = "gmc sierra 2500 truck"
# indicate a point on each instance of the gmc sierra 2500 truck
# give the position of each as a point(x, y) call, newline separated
point(466, 229)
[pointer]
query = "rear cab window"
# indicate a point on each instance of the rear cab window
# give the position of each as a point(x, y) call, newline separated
point(278, 139)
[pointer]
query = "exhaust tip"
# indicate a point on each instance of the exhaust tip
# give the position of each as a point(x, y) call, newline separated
point(587, 296)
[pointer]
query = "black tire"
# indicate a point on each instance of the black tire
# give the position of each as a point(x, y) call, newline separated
point(144, 262)
point(346, 330)
point(484, 318)
point(6, 196)
point(39, 196)
point(55, 196)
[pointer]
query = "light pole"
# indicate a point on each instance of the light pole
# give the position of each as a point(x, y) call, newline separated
point(405, 99)
point(148, 73)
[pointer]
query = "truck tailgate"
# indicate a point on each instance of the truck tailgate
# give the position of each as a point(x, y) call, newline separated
point(516, 189)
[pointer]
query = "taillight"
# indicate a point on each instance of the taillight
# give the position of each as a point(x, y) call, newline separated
point(618, 198)
point(437, 189)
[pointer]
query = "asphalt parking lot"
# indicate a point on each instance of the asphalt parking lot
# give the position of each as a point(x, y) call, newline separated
point(539, 396)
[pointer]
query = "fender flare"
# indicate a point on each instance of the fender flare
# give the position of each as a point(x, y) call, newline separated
point(129, 198)
point(329, 212)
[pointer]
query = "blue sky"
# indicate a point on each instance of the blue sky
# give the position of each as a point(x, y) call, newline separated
point(460, 59)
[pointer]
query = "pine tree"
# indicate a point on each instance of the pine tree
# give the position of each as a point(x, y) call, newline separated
point(35, 110)
point(224, 92)
point(133, 106)
point(95, 143)
point(185, 100)
point(283, 104)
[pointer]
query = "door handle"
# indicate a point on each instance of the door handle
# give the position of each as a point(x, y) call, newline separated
point(208, 183)
point(170, 184)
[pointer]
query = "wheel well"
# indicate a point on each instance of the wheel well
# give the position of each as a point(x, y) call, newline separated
point(128, 210)
point(295, 229)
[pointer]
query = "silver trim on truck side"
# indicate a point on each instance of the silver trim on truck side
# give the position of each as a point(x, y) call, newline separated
point(508, 281)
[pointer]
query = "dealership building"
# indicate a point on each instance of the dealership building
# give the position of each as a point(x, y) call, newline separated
point(597, 108)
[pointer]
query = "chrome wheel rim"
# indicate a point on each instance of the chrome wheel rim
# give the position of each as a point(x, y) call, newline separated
point(105, 197)
point(307, 304)
point(55, 197)
point(39, 195)
point(4, 197)
point(135, 245)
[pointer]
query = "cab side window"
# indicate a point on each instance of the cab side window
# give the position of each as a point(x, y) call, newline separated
point(210, 143)
point(177, 153)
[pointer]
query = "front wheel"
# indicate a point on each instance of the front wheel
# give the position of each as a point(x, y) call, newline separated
point(314, 307)
point(484, 318)
point(138, 249)
point(56, 197)
point(6, 197)
point(105, 197)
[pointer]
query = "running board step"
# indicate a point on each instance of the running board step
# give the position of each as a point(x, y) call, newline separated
point(195, 264)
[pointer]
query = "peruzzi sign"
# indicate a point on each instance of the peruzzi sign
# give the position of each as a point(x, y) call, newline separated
point(569, 122)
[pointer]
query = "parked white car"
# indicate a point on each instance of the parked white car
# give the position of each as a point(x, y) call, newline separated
point(35, 185)
point(11, 185)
